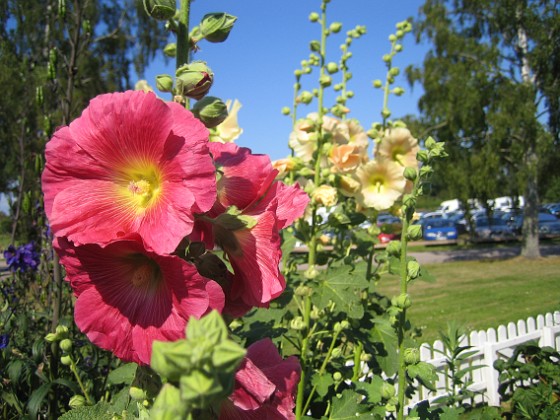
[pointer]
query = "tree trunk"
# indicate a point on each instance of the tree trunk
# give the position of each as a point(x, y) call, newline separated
point(530, 247)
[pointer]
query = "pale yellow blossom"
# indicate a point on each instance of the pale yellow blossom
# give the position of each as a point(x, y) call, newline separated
point(382, 183)
point(398, 145)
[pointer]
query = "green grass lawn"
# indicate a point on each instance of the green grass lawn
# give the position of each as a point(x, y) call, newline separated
point(481, 294)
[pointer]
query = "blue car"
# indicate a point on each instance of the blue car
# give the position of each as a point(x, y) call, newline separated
point(438, 229)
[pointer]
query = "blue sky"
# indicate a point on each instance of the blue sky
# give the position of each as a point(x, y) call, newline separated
point(269, 40)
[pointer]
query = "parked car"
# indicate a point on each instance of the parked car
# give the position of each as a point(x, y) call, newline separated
point(439, 229)
point(548, 223)
point(492, 228)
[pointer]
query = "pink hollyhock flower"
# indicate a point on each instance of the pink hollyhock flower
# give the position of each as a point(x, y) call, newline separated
point(265, 385)
point(247, 182)
point(131, 163)
point(127, 297)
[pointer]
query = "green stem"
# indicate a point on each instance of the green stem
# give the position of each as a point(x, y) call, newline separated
point(322, 369)
point(303, 358)
point(183, 41)
point(75, 372)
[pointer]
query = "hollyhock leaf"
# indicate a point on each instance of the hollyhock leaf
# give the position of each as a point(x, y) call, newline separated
point(322, 382)
point(123, 374)
point(138, 165)
point(383, 332)
point(200, 389)
point(348, 406)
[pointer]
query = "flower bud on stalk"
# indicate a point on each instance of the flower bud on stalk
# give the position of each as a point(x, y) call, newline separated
point(164, 83)
point(215, 27)
point(77, 401)
point(194, 80)
point(170, 50)
point(211, 111)
point(411, 356)
point(160, 9)
point(66, 345)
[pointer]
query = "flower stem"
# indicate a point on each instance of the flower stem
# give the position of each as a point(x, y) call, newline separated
point(80, 383)
point(303, 357)
point(183, 41)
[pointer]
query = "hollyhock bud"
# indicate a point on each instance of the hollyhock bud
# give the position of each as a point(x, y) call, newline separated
point(398, 48)
point(337, 376)
point(411, 356)
point(66, 345)
point(215, 27)
point(387, 390)
point(160, 9)
point(413, 269)
point(325, 195)
point(170, 50)
point(377, 83)
point(211, 111)
point(51, 337)
point(414, 232)
point(164, 83)
point(77, 401)
point(394, 248)
point(306, 97)
point(66, 360)
point(314, 16)
point(194, 79)
point(335, 27)
point(332, 67)
point(402, 301)
point(410, 173)
point(61, 331)
point(285, 110)
point(315, 46)
point(325, 80)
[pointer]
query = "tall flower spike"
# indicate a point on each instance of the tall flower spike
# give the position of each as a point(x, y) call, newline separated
point(127, 297)
point(130, 164)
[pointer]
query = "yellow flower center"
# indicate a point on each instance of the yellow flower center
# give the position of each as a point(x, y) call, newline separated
point(140, 186)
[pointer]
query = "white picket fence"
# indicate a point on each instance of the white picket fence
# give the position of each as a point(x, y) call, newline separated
point(490, 345)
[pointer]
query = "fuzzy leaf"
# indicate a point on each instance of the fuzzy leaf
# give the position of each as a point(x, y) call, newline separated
point(123, 374)
point(347, 406)
point(99, 411)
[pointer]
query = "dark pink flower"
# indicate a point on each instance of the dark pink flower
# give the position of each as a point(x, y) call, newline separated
point(131, 163)
point(247, 182)
point(127, 297)
point(265, 385)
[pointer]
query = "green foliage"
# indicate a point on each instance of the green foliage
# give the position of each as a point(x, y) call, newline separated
point(530, 382)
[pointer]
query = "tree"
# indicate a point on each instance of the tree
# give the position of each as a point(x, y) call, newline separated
point(492, 88)
point(54, 57)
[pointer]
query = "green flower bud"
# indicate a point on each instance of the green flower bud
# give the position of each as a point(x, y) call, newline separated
point(398, 91)
point(394, 71)
point(298, 73)
point(61, 331)
point(164, 83)
point(307, 70)
point(297, 323)
point(365, 357)
point(337, 352)
point(77, 401)
point(332, 67)
point(413, 269)
point(402, 301)
point(286, 110)
point(400, 34)
point(394, 248)
point(315, 46)
point(136, 393)
point(350, 94)
point(426, 170)
point(302, 290)
point(387, 390)
point(66, 345)
point(325, 80)
point(215, 27)
point(338, 87)
point(160, 9)
point(392, 38)
point(398, 48)
point(51, 337)
point(170, 50)
point(422, 156)
point(305, 97)
point(410, 173)
point(411, 356)
point(387, 58)
point(66, 360)
point(335, 27)
point(314, 16)
point(211, 111)
point(414, 232)
point(385, 113)
point(194, 79)
point(430, 143)
point(337, 376)
point(372, 133)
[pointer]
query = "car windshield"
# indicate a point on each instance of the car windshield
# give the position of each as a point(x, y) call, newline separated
point(439, 223)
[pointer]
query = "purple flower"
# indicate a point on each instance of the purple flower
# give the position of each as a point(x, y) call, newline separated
point(4, 340)
point(23, 258)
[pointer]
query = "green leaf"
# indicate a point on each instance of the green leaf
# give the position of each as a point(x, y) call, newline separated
point(123, 374)
point(425, 373)
point(171, 359)
point(227, 355)
point(384, 333)
point(99, 411)
point(36, 399)
point(347, 406)
point(372, 391)
point(322, 382)
point(342, 286)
